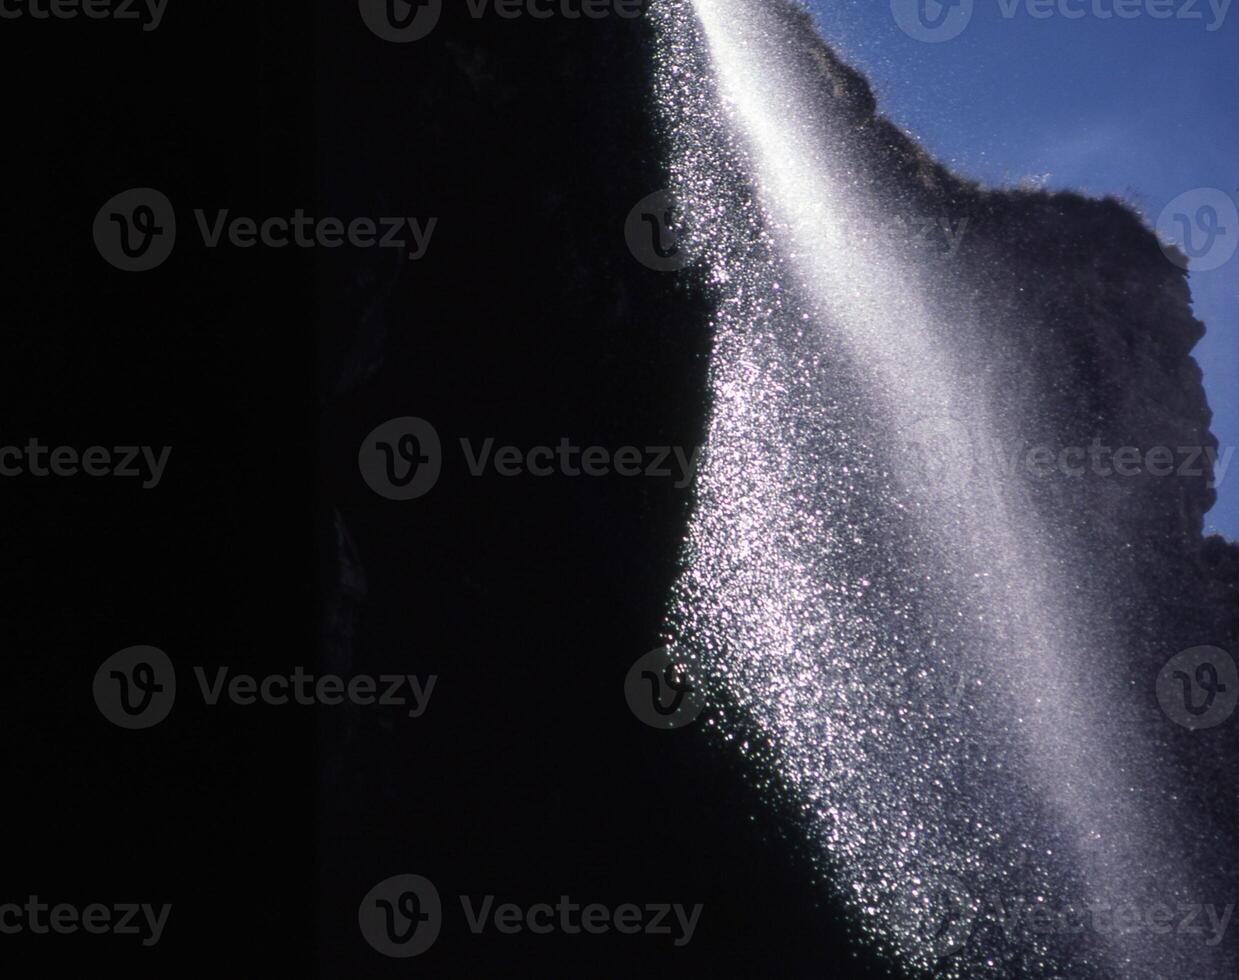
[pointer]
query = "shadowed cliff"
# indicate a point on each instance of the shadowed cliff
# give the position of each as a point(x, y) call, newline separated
point(530, 321)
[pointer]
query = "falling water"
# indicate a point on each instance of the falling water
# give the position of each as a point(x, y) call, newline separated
point(907, 651)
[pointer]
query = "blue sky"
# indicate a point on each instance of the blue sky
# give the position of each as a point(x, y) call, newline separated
point(1145, 107)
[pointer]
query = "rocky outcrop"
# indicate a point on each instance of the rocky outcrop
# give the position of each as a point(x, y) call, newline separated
point(528, 321)
point(1099, 330)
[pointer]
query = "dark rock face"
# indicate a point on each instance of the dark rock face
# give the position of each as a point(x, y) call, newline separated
point(529, 321)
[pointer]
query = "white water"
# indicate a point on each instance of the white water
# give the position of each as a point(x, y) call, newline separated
point(907, 653)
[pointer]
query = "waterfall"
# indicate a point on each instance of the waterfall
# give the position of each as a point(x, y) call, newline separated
point(898, 636)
